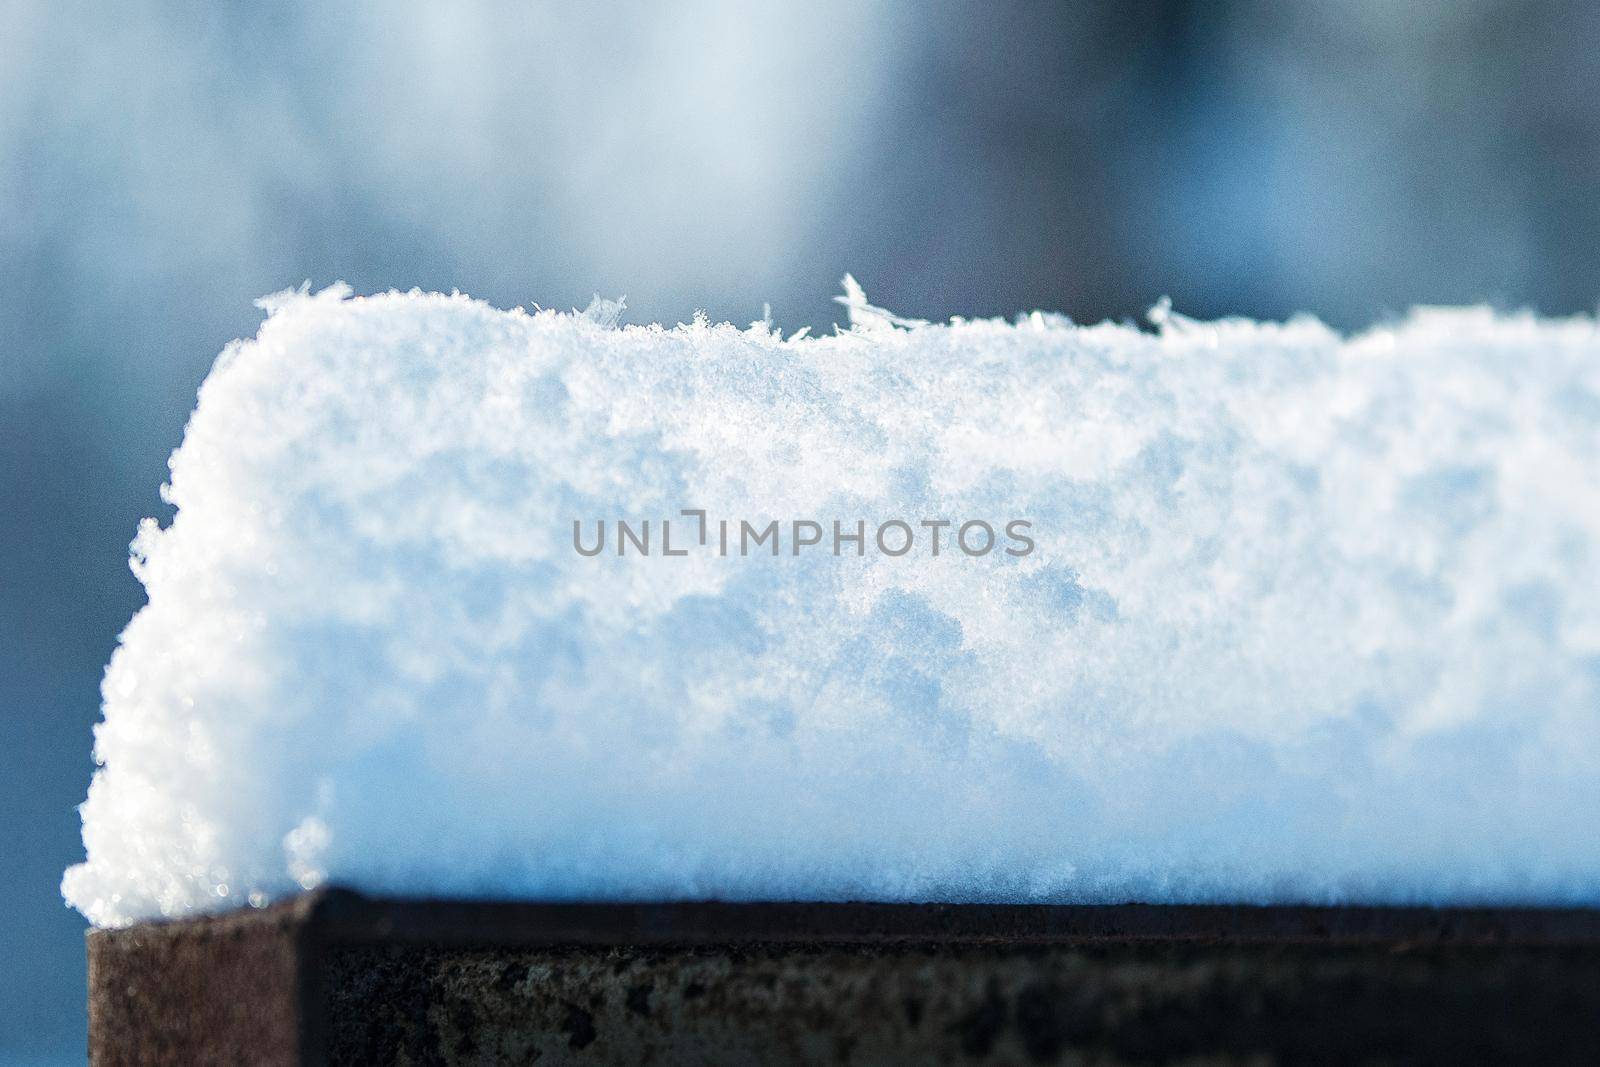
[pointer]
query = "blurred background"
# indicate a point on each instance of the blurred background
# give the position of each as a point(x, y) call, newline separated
point(161, 165)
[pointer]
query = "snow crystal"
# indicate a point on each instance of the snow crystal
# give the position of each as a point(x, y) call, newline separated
point(1300, 618)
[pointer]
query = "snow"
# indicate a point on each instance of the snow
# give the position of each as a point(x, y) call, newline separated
point(1304, 617)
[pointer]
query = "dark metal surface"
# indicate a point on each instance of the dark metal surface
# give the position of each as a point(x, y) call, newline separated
point(335, 977)
point(346, 916)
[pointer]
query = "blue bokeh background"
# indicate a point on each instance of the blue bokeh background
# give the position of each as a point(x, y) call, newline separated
point(163, 164)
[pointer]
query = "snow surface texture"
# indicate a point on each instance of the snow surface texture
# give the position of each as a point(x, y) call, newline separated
point(1309, 618)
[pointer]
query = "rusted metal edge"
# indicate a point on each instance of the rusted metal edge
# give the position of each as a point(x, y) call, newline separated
point(340, 916)
point(276, 984)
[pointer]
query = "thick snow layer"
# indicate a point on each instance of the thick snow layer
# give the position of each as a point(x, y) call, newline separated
point(1305, 618)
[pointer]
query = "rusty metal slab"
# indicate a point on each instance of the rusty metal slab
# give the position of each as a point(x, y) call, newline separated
point(334, 977)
